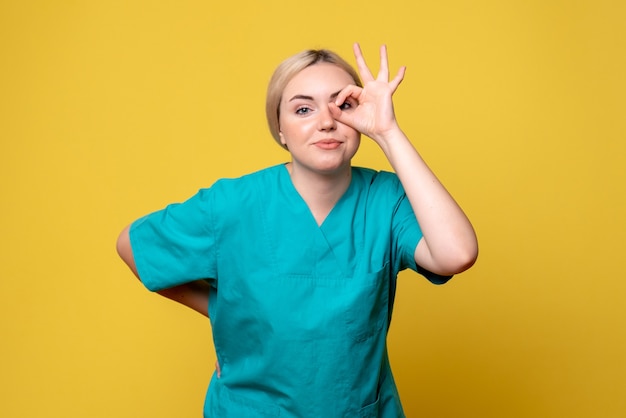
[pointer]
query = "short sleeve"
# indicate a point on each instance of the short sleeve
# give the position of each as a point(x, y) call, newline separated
point(407, 234)
point(175, 245)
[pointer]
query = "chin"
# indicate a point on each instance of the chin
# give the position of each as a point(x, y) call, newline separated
point(333, 168)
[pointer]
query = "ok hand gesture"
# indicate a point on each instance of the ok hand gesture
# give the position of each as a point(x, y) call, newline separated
point(372, 111)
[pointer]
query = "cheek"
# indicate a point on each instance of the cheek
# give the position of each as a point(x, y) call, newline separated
point(293, 128)
point(351, 134)
point(356, 143)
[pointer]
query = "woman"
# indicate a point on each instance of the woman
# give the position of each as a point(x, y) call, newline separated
point(296, 264)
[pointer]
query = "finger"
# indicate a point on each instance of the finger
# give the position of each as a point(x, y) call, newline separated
point(341, 116)
point(364, 71)
point(383, 71)
point(397, 79)
point(335, 112)
point(348, 91)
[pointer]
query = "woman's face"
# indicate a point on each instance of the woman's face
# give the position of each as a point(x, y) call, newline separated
point(316, 141)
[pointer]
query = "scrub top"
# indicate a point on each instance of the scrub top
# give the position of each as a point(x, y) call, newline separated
point(299, 311)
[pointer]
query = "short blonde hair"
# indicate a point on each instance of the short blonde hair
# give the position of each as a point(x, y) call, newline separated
point(286, 71)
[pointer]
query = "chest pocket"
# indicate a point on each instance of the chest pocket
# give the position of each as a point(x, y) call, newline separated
point(368, 315)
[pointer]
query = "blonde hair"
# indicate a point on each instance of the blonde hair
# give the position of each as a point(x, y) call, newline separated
point(286, 71)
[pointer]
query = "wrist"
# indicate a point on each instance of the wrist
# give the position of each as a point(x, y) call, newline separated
point(390, 138)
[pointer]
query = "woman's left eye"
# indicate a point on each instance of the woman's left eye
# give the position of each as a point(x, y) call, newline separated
point(345, 106)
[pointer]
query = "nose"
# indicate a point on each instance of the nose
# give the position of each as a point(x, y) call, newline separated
point(326, 120)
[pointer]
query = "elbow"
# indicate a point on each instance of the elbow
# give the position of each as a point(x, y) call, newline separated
point(453, 260)
point(461, 258)
point(125, 251)
point(123, 245)
point(467, 260)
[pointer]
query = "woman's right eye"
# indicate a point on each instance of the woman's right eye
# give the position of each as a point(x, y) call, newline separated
point(303, 110)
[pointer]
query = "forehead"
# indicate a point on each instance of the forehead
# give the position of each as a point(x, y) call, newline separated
point(321, 79)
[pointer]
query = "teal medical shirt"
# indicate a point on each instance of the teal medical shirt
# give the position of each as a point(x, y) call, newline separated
point(299, 312)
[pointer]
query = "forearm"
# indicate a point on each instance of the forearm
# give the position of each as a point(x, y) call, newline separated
point(194, 295)
point(449, 244)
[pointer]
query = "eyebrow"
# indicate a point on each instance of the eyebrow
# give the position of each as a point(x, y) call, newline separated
point(305, 97)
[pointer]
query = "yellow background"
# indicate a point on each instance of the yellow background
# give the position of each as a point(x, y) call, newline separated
point(112, 109)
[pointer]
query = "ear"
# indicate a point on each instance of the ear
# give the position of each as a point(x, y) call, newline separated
point(282, 140)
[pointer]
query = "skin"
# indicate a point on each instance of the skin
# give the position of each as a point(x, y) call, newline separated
point(449, 245)
point(323, 115)
point(194, 295)
point(321, 147)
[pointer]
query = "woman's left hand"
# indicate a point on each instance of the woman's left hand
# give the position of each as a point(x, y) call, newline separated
point(372, 111)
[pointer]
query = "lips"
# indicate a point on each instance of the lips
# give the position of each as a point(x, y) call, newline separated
point(328, 144)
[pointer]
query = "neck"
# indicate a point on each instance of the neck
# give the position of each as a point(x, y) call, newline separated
point(320, 191)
